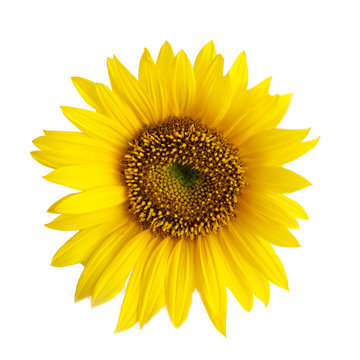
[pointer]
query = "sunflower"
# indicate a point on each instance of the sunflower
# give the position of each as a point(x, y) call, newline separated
point(181, 186)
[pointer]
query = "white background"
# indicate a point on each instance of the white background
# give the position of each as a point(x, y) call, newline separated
point(310, 48)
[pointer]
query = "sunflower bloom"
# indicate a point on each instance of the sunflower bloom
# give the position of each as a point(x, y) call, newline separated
point(181, 186)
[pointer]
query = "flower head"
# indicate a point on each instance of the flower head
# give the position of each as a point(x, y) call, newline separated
point(181, 183)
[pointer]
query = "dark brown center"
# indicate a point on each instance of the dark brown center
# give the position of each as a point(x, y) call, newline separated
point(183, 179)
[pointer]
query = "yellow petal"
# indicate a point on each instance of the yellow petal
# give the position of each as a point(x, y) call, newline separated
point(268, 230)
point(203, 62)
point(128, 88)
point(184, 85)
point(210, 284)
point(238, 75)
point(257, 92)
point(285, 154)
point(96, 125)
point(281, 109)
point(129, 309)
point(241, 293)
point(90, 200)
point(77, 147)
point(260, 254)
point(101, 259)
point(243, 269)
point(268, 140)
point(166, 64)
point(69, 140)
point(267, 206)
point(213, 94)
point(275, 179)
point(254, 120)
point(220, 320)
point(65, 157)
point(83, 244)
point(69, 222)
point(85, 177)
point(276, 107)
point(245, 104)
point(289, 205)
point(152, 290)
point(87, 90)
point(234, 279)
point(266, 114)
point(116, 273)
point(151, 79)
point(49, 160)
point(180, 281)
point(126, 122)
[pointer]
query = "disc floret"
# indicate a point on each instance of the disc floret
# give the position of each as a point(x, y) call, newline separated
point(183, 179)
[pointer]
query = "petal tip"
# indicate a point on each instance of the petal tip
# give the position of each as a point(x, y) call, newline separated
point(55, 263)
point(52, 209)
point(210, 44)
point(95, 299)
point(78, 295)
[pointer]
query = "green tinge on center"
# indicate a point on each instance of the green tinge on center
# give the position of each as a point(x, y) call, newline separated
point(186, 175)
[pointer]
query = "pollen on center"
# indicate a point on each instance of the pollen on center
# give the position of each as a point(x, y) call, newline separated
point(183, 179)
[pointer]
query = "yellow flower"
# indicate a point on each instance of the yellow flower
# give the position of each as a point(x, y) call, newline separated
point(181, 183)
